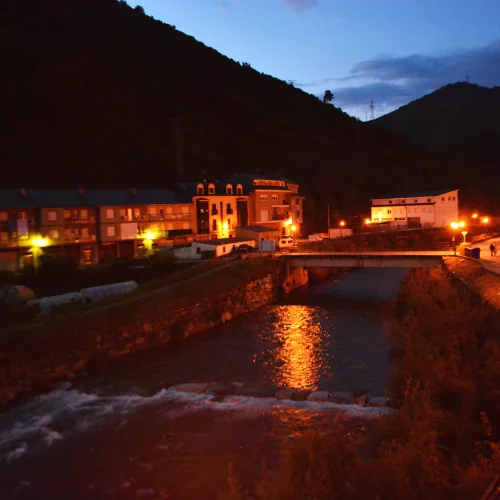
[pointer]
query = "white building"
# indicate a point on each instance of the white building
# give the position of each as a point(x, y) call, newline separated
point(422, 209)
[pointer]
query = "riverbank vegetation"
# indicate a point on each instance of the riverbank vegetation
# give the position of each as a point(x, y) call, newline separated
point(442, 442)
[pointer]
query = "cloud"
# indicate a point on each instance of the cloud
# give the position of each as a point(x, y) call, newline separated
point(392, 81)
point(301, 4)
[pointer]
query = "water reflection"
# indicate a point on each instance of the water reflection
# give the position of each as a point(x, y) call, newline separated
point(300, 360)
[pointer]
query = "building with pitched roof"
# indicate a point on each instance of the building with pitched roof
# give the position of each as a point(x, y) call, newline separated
point(418, 209)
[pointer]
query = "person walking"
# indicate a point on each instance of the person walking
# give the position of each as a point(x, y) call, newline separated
point(493, 249)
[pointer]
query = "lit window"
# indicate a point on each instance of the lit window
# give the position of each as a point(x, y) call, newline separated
point(263, 197)
point(211, 189)
point(110, 231)
point(84, 213)
point(274, 197)
point(85, 232)
point(53, 234)
point(152, 210)
point(229, 189)
point(239, 189)
point(200, 189)
point(110, 214)
point(52, 215)
point(214, 225)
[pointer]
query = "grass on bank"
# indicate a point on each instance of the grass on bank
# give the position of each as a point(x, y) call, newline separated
point(443, 441)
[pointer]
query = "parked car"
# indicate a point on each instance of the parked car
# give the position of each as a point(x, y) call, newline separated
point(287, 242)
point(245, 248)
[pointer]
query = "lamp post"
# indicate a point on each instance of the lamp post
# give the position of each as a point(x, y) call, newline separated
point(341, 224)
point(454, 227)
point(464, 234)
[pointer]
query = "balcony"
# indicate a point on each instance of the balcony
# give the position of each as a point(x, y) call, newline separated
point(77, 220)
point(280, 217)
point(229, 211)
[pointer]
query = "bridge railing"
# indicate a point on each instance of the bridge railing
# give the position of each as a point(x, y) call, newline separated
point(353, 247)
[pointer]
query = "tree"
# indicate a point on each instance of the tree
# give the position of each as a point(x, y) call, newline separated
point(328, 97)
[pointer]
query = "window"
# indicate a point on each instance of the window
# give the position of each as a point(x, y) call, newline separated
point(214, 225)
point(390, 202)
point(85, 232)
point(185, 225)
point(214, 209)
point(110, 214)
point(67, 214)
point(185, 210)
point(3, 216)
point(403, 201)
point(4, 237)
point(200, 189)
point(239, 189)
point(211, 189)
point(110, 231)
point(415, 201)
point(263, 197)
point(389, 211)
point(52, 215)
point(53, 234)
point(449, 198)
point(137, 212)
point(198, 250)
point(229, 189)
point(84, 213)
point(152, 210)
point(274, 197)
point(454, 199)
point(22, 215)
point(442, 199)
point(429, 200)
point(229, 209)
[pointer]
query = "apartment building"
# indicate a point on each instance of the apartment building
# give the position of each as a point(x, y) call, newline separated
point(274, 201)
point(88, 226)
point(419, 209)
point(220, 207)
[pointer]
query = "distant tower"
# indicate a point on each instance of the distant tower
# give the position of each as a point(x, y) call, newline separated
point(372, 108)
point(467, 79)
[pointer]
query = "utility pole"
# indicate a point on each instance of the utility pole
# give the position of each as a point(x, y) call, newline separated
point(372, 107)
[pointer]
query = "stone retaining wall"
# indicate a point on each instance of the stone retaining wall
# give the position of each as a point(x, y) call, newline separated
point(32, 360)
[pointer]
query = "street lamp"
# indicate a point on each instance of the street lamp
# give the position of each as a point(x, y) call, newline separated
point(464, 233)
point(454, 226)
point(37, 243)
point(341, 224)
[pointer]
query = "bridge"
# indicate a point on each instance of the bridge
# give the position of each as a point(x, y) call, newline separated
point(432, 258)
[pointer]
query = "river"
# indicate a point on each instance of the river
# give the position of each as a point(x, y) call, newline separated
point(122, 433)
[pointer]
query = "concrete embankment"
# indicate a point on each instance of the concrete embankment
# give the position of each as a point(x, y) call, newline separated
point(33, 358)
point(474, 275)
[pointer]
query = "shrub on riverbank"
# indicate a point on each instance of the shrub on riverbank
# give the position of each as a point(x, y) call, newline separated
point(442, 441)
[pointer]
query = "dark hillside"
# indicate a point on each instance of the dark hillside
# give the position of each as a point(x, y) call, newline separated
point(461, 124)
point(97, 93)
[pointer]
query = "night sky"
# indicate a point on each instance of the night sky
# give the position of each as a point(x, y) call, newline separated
point(391, 51)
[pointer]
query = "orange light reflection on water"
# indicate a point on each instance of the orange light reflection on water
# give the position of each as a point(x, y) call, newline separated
point(299, 359)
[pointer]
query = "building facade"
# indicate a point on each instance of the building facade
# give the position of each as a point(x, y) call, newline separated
point(96, 225)
point(412, 210)
point(274, 201)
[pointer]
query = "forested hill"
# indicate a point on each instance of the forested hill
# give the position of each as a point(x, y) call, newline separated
point(461, 123)
point(97, 93)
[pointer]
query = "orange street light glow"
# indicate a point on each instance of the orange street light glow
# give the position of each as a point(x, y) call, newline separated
point(342, 222)
point(454, 225)
point(485, 220)
point(294, 228)
point(461, 223)
point(367, 221)
point(474, 216)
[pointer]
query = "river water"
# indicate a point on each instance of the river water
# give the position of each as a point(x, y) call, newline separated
point(122, 433)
